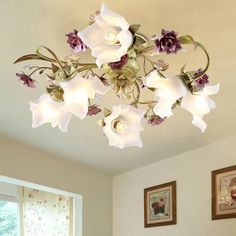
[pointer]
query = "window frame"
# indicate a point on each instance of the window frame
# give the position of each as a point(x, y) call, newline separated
point(77, 202)
point(12, 198)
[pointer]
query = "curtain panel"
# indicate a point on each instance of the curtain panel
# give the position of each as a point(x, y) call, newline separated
point(45, 214)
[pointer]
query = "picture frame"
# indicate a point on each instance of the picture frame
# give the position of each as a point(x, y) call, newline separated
point(160, 205)
point(224, 193)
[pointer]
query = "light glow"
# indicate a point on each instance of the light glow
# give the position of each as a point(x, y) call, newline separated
point(111, 36)
point(119, 126)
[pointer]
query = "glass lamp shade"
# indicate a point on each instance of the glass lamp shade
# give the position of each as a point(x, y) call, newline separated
point(46, 110)
point(108, 37)
point(199, 105)
point(123, 126)
point(78, 90)
point(169, 90)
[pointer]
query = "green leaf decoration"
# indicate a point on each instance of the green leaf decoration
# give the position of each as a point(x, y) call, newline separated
point(107, 112)
point(186, 39)
point(29, 57)
point(139, 40)
point(50, 77)
point(134, 28)
point(69, 70)
point(55, 92)
point(60, 75)
point(55, 68)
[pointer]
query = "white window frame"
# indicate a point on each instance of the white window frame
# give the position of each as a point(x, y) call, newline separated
point(77, 201)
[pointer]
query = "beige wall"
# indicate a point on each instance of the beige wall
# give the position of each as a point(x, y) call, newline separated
point(29, 164)
point(192, 171)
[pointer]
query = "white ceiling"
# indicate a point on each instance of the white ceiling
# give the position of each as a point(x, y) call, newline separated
point(26, 24)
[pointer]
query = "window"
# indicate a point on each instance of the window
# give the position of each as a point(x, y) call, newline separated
point(8, 216)
point(28, 209)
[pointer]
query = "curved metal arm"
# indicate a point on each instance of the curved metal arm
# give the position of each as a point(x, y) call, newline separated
point(208, 60)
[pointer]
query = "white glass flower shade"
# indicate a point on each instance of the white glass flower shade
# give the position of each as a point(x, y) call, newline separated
point(169, 90)
point(78, 90)
point(46, 110)
point(108, 37)
point(199, 105)
point(123, 126)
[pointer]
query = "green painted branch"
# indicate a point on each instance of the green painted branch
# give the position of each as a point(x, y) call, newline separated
point(54, 59)
point(87, 67)
point(135, 102)
point(41, 69)
point(88, 64)
point(147, 102)
point(146, 50)
point(208, 60)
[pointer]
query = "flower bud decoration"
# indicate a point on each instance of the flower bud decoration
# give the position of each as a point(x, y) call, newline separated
point(167, 42)
point(75, 42)
point(26, 80)
point(155, 120)
point(93, 110)
point(119, 64)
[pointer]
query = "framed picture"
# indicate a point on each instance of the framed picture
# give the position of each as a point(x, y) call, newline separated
point(160, 205)
point(224, 193)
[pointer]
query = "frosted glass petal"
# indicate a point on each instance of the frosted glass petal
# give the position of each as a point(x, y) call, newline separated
point(113, 18)
point(78, 90)
point(199, 105)
point(46, 110)
point(169, 90)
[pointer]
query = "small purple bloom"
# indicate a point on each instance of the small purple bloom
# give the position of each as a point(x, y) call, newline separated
point(161, 65)
point(93, 110)
point(75, 42)
point(202, 81)
point(168, 42)
point(26, 80)
point(155, 120)
point(119, 64)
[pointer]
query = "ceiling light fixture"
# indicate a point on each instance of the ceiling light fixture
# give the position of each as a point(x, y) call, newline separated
point(127, 63)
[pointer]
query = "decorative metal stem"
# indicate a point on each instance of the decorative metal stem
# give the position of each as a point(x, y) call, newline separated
point(87, 67)
point(54, 59)
point(208, 61)
point(39, 68)
point(146, 50)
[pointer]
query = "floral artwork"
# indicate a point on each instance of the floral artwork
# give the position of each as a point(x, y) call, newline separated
point(46, 214)
point(125, 62)
point(224, 193)
point(160, 205)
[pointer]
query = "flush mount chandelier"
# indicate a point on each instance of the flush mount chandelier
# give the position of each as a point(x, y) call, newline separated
point(127, 63)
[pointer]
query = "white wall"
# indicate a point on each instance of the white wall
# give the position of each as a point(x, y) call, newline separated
point(192, 170)
point(29, 164)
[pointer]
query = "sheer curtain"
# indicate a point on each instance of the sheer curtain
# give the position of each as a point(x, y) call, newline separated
point(45, 214)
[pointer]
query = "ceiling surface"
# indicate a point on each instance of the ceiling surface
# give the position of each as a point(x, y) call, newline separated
point(26, 24)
